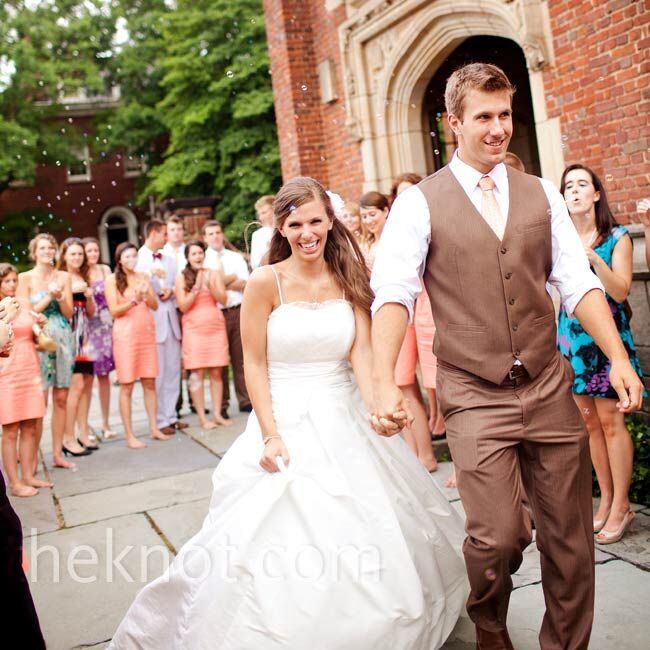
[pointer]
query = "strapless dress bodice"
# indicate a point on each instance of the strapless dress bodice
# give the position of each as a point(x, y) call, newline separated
point(309, 344)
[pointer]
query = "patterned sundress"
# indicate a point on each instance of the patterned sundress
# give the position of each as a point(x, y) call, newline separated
point(56, 367)
point(590, 365)
point(100, 330)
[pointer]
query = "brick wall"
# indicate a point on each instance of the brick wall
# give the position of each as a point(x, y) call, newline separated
point(599, 87)
point(313, 138)
point(81, 204)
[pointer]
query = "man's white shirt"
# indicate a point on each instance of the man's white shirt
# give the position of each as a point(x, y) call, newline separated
point(404, 244)
point(177, 253)
point(260, 242)
point(232, 263)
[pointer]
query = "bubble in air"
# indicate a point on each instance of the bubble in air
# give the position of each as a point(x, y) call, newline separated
point(230, 74)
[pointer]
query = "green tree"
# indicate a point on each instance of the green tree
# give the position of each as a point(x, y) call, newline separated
point(48, 50)
point(217, 108)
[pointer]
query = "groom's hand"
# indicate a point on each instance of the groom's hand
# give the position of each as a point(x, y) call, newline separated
point(391, 412)
point(627, 385)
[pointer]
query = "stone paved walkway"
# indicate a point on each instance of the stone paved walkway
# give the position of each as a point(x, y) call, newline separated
point(145, 504)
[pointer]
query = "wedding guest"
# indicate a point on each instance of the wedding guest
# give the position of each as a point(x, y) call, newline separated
point(642, 216)
point(100, 335)
point(261, 238)
point(609, 249)
point(514, 161)
point(22, 404)
point(50, 293)
point(351, 217)
point(131, 298)
point(205, 342)
point(72, 259)
point(18, 610)
point(235, 269)
point(161, 269)
point(401, 183)
point(374, 211)
point(175, 245)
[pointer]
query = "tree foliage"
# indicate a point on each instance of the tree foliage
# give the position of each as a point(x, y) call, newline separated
point(195, 88)
point(48, 50)
point(198, 77)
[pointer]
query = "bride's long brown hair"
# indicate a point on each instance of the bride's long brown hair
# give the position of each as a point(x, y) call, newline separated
point(342, 253)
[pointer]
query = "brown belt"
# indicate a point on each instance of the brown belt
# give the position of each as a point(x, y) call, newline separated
point(516, 376)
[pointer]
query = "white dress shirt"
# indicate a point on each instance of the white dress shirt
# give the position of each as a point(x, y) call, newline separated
point(260, 242)
point(177, 253)
point(232, 263)
point(404, 244)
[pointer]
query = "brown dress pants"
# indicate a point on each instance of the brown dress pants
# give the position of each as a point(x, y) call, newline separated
point(526, 432)
point(236, 360)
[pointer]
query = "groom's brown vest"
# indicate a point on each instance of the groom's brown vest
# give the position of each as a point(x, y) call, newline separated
point(488, 297)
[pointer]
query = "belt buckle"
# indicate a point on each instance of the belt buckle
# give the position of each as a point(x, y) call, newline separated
point(516, 373)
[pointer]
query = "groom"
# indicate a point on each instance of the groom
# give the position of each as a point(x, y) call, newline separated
point(487, 239)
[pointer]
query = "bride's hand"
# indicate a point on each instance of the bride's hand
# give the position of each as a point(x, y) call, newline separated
point(391, 412)
point(272, 450)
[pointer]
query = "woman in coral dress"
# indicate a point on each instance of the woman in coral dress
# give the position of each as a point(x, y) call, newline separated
point(205, 343)
point(22, 405)
point(130, 296)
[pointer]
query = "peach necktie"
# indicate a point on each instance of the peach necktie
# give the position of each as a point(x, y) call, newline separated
point(490, 210)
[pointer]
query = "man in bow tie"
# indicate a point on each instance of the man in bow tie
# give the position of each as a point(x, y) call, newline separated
point(162, 270)
point(487, 238)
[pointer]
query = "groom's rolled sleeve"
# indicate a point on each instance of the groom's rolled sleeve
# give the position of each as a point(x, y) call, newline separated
point(571, 274)
point(401, 252)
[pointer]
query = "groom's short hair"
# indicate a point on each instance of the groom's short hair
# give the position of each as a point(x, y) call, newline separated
point(474, 76)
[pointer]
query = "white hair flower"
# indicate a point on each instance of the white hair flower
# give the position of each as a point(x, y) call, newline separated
point(338, 204)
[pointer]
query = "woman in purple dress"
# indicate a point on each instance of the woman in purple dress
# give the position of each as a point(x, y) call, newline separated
point(100, 332)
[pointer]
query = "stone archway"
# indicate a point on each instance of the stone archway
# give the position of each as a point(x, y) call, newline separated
point(392, 51)
point(117, 224)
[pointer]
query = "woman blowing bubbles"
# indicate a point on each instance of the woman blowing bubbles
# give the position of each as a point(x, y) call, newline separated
point(609, 249)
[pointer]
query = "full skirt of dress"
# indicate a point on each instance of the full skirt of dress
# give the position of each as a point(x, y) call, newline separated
point(351, 547)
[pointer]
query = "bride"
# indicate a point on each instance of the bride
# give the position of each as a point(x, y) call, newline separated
point(320, 533)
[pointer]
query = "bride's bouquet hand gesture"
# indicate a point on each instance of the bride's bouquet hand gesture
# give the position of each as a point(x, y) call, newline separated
point(274, 447)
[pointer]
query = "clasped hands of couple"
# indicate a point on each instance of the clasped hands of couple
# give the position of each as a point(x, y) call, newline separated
point(391, 411)
point(385, 421)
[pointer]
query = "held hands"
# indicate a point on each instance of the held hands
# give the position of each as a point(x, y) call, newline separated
point(627, 385)
point(272, 449)
point(9, 309)
point(391, 412)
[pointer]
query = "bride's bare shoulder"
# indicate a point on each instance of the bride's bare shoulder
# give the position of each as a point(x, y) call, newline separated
point(261, 287)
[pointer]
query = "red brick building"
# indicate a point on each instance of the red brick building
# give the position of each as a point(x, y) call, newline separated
point(94, 197)
point(358, 85)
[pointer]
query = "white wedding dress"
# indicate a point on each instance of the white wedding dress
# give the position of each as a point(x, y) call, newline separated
point(351, 547)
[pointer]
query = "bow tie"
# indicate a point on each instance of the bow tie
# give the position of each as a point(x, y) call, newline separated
point(157, 256)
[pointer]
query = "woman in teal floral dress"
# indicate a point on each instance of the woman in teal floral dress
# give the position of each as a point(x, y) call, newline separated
point(609, 249)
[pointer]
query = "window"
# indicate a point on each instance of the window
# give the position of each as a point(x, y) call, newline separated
point(79, 169)
point(135, 164)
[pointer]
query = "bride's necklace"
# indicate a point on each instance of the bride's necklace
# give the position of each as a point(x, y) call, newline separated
point(314, 302)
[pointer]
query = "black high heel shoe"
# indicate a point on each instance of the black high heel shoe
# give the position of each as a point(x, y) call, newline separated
point(85, 446)
point(69, 452)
